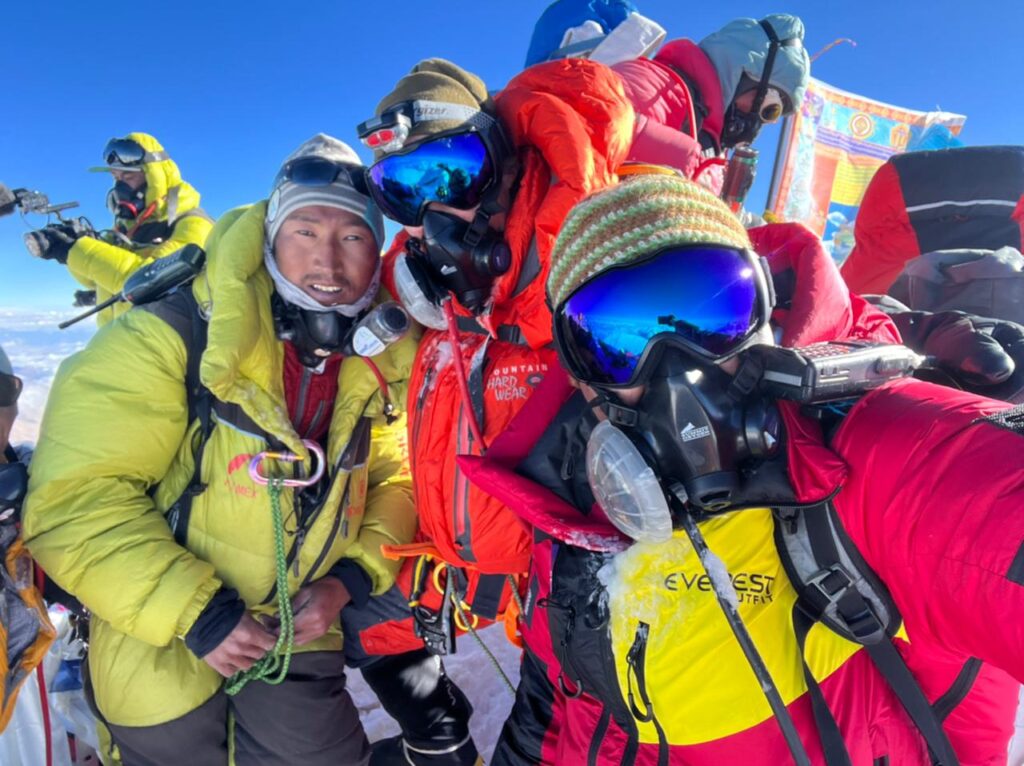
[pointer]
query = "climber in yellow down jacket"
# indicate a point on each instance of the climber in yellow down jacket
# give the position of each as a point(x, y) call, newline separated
point(180, 568)
point(155, 213)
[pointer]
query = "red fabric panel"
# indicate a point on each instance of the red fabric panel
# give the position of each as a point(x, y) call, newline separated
point(885, 238)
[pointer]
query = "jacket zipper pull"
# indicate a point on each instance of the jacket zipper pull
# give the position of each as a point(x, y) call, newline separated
point(300, 537)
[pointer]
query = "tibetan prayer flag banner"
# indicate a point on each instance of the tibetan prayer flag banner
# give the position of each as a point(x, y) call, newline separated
point(832, 147)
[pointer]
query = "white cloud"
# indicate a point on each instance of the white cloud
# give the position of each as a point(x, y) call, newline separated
point(36, 348)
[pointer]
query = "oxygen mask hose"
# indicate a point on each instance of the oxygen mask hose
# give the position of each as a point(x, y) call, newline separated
point(460, 373)
point(726, 595)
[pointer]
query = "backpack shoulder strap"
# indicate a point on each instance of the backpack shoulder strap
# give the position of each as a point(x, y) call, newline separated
point(836, 586)
point(181, 311)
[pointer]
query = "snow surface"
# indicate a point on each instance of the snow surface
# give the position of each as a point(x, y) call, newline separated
point(36, 348)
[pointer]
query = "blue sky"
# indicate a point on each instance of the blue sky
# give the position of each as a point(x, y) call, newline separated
point(232, 87)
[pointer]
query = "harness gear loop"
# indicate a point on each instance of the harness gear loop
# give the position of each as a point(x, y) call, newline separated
point(273, 667)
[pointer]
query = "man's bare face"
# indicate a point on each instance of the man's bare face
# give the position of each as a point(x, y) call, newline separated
point(330, 254)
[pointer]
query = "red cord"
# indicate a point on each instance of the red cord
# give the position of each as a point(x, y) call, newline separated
point(44, 701)
point(138, 221)
point(708, 163)
point(380, 381)
point(460, 373)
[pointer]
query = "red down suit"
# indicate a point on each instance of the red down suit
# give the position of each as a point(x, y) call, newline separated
point(927, 486)
point(571, 125)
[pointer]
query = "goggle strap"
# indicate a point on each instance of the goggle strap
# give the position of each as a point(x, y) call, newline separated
point(481, 220)
point(769, 282)
point(769, 64)
point(432, 111)
point(619, 414)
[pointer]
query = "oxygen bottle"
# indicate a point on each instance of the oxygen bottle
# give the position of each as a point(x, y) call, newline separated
point(739, 176)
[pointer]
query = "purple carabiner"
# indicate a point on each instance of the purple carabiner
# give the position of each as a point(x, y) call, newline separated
point(288, 457)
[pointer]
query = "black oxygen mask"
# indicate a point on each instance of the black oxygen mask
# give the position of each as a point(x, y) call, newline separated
point(693, 431)
point(457, 258)
point(125, 202)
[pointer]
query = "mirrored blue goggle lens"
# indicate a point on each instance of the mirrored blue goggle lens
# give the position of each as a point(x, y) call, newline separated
point(705, 297)
point(451, 170)
point(123, 151)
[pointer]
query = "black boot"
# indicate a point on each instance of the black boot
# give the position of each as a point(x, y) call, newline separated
point(431, 710)
point(394, 751)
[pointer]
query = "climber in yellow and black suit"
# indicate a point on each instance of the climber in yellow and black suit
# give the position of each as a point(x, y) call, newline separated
point(155, 213)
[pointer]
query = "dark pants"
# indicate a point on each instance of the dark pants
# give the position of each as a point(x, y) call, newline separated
point(309, 719)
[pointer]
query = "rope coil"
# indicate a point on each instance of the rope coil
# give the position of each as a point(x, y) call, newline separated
point(273, 667)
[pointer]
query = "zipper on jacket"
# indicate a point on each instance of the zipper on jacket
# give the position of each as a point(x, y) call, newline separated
point(317, 417)
point(329, 542)
point(300, 403)
point(636, 659)
point(421, 397)
point(961, 685)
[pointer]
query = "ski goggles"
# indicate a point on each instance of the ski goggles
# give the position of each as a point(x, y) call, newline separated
point(454, 169)
point(124, 153)
point(708, 300)
point(317, 171)
point(10, 389)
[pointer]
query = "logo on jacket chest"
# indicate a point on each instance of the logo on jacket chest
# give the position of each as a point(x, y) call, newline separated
point(750, 587)
point(237, 463)
point(514, 382)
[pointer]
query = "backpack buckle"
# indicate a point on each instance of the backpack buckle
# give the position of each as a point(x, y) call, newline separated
point(826, 588)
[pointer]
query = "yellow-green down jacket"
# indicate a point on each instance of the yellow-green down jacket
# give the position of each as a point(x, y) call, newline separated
point(103, 267)
point(115, 427)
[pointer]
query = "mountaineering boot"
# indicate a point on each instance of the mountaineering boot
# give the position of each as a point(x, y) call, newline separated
point(431, 710)
point(394, 751)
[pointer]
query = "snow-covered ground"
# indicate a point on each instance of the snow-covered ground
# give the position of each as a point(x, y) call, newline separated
point(36, 348)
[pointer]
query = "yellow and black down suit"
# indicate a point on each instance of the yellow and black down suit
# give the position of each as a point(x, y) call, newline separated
point(175, 221)
point(116, 452)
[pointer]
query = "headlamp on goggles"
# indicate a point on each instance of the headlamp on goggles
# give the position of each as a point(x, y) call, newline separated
point(708, 300)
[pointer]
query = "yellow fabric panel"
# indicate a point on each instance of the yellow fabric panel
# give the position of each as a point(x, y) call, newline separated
point(116, 426)
point(698, 679)
point(853, 174)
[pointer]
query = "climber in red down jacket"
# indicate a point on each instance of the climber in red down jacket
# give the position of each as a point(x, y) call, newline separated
point(921, 482)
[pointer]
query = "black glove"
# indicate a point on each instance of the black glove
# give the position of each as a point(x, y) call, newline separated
point(8, 201)
point(84, 298)
point(60, 237)
point(981, 355)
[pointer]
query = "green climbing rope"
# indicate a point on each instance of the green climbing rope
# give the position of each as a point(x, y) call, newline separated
point(467, 621)
point(277, 660)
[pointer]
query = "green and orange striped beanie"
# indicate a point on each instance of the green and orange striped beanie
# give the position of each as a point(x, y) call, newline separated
point(633, 219)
